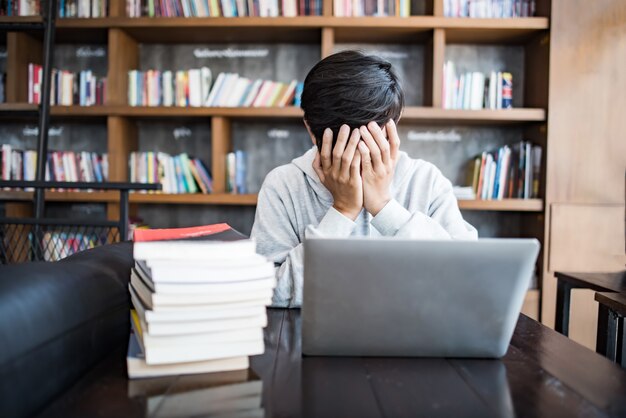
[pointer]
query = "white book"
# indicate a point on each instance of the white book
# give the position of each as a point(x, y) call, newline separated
point(244, 261)
point(165, 355)
point(253, 307)
point(165, 180)
point(167, 88)
point(218, 82)
point(193, 250)
point(499, 90)
point(467, 91)
point(138, 368)
point(458, 102)
point(492, 179)
point(478, 90)
point(238, 89)
point(157, 301)
point(503, 172)
point(195, 88)
point(162, 329)
point(528, 171)
point(180, 272)
point(207, 288)
point(207, 79)
point(223, 97)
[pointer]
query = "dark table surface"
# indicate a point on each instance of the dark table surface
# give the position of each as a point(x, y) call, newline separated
point(600, 282)
point(543, 374)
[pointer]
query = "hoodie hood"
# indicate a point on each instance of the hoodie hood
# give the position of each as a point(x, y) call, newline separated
point(305, 164)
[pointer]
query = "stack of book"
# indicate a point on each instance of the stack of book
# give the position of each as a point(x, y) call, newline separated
point(176, 174)
point(475, 90)
point(67, 88)
point(83, 8)
point(223, 8)
point(16, 164)
point(236, 172)
point(488, 8)
point(199, 296)
point(358, 8)
point(510, 172)
point(195, 88)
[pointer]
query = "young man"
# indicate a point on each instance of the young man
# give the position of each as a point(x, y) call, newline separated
point(355, 182)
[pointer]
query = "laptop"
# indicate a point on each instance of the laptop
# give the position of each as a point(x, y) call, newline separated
point(394, 297)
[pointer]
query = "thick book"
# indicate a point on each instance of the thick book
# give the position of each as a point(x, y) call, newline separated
point(156, 301)
point(181, 272)
point(181, 288)
point(255, 307)
point(218, 241)
point(138, 368)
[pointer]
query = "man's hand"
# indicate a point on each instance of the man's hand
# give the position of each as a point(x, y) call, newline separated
point(378, 161)
point(340, 170)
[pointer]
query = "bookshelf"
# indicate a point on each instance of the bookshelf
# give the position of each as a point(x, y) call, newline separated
point(432, 32)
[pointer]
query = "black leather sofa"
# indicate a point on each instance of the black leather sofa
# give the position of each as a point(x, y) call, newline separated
point(57, 320)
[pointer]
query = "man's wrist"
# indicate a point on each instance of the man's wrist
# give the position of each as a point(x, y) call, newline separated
point(351, 214)
point(375, 207)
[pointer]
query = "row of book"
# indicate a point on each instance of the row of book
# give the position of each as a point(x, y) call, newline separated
point(488, 8)
point(195, 88)
point(199, 296)
point(66, 8)
point(223, 8)
point(381, 8)
point(84, 166)
point(475, 90)
point(511, 172)
point(176, 174)
point(236, 172)
point(67, 88)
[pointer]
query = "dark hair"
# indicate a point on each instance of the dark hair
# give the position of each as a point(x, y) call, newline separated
point(350, 88)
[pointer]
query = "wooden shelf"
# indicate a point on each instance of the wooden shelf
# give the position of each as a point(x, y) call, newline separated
point(515, 205)
point(143, 198)
point(195, 199)
point(177, 112)
point(483, 116)
point(305, 29)
point(411, 113)
point(20, 19)
point(505, 205)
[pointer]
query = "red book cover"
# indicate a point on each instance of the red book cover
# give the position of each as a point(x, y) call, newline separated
point(214, 232)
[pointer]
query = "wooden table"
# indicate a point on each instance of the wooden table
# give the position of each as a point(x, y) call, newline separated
point(600, 282)
point(544, 374)
point(613, 307)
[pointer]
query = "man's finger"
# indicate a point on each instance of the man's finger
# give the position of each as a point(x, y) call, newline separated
point(340, 146)
point(355, 166)
point(381, 141)
point(317, 167)
point(366, 159)
point(374, 151)
point(394, 139)
point(348, 154)
point(327, 145)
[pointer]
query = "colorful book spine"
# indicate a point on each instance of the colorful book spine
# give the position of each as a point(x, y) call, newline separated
point(475, 90)
point(509, 172)
point(231, 8)
point(176, 173)
point(195, 88)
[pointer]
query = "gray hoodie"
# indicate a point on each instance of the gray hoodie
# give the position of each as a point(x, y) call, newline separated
point(293, 203)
